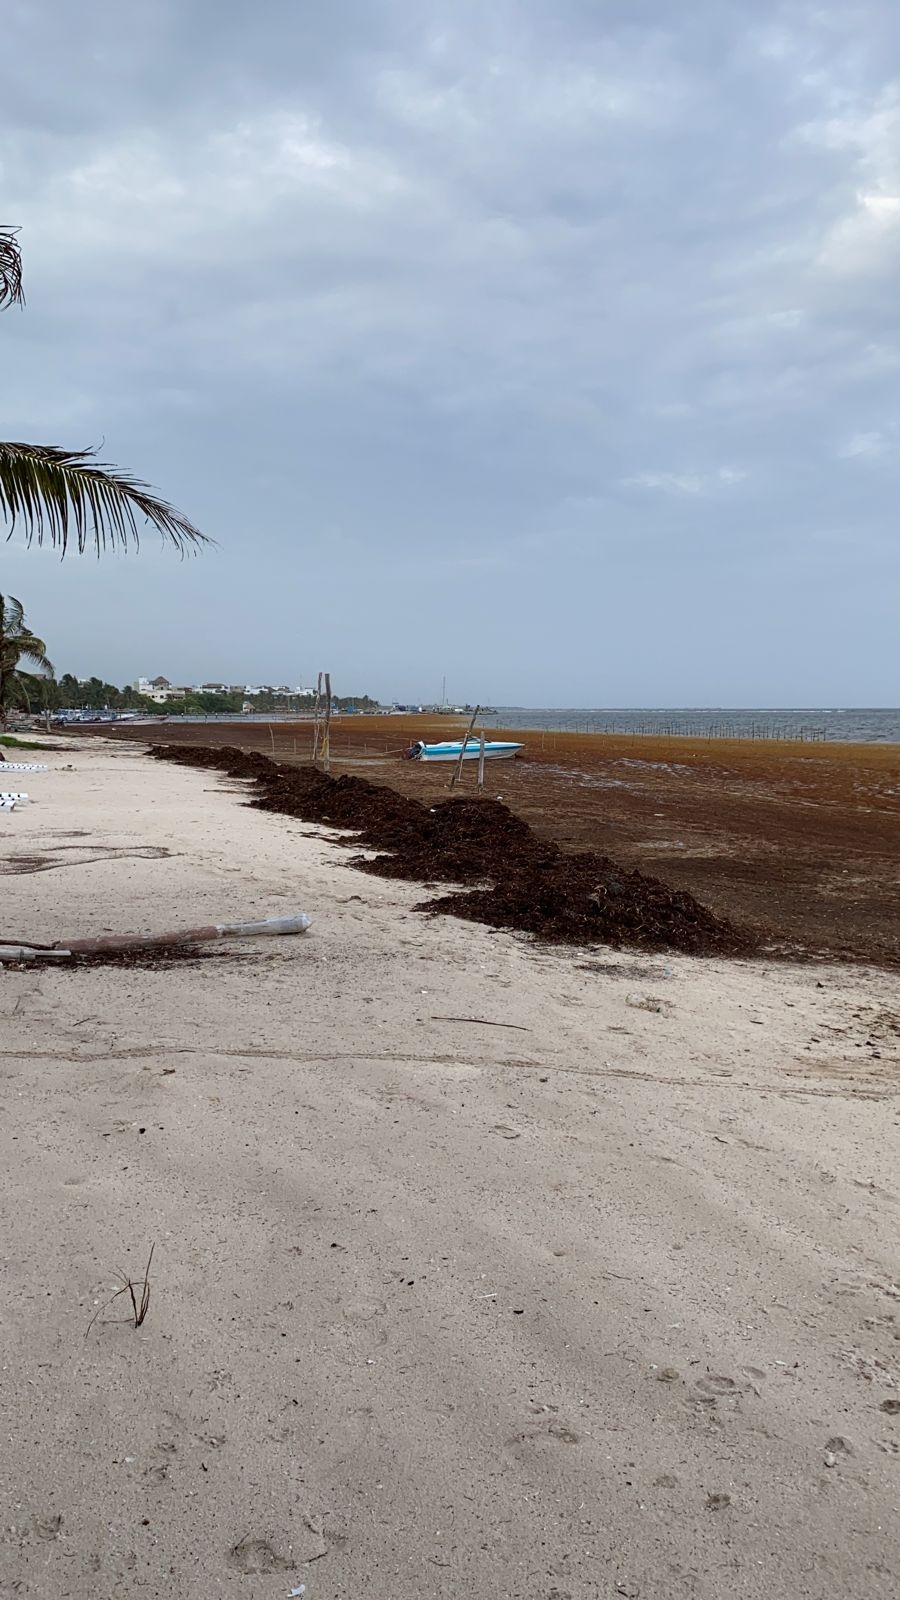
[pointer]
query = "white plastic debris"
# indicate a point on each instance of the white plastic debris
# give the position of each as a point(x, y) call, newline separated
point(26, 952)
point(276, 925)
point(300, 1589)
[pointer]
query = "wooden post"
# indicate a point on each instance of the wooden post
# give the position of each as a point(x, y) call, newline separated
point(272, 737)
point(315, 748)
point(481, 762)
point(326, 736)
point(462, 754)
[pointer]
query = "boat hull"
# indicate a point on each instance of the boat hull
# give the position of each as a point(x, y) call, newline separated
point(494, 750)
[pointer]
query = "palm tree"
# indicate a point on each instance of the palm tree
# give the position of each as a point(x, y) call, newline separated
point(17, 644)
point(67, 495)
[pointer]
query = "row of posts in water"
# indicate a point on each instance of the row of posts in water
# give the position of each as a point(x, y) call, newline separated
point(803, 733)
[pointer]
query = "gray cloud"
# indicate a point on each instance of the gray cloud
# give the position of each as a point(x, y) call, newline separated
point(549, 345)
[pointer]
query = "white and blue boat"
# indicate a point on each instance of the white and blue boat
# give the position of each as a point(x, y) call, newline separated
point(449, 750)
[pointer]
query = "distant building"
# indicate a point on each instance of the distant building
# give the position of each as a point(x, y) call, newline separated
point(284, 689)
point(159, 690)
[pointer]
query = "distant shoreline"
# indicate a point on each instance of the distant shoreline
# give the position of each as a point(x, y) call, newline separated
point(859, 726)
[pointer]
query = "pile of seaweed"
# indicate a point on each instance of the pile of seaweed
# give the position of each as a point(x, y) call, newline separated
point(519, 881)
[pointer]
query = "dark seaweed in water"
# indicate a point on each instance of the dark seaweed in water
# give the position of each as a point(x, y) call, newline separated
point(521, 881)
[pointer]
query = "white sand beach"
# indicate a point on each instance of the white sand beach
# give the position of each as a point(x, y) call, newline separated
point(596, 1294)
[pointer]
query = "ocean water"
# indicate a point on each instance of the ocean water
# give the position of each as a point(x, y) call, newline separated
point(856, 725)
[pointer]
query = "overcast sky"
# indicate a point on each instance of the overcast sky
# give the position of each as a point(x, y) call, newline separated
point(551, 345)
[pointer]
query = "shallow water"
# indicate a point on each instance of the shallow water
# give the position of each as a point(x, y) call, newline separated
point(872, 726)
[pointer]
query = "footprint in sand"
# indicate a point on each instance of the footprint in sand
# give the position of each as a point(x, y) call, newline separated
point(45, 1526)
point(716, 1386)
point(258, 1554)
point(363, 1310)
point(255, 1557)
point(549, 1429)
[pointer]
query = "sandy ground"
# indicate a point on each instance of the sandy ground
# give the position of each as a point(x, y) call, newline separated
point(602, 1301)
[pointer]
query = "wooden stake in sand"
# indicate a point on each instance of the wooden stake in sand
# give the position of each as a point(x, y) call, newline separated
point(481, 762)
point(316, 715)
point(462, 754)
point(326, 737)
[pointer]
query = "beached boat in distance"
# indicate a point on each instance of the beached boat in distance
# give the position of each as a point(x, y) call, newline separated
point(449, 750)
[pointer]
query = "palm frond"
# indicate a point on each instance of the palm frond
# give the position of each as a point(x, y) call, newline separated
point(12, 615)
point(30, 683)
point(11, 292)
point(35, 650)
point(35, 681)
point(67, 495)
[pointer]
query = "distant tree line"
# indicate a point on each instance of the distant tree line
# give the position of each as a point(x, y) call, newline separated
point(93, 694)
